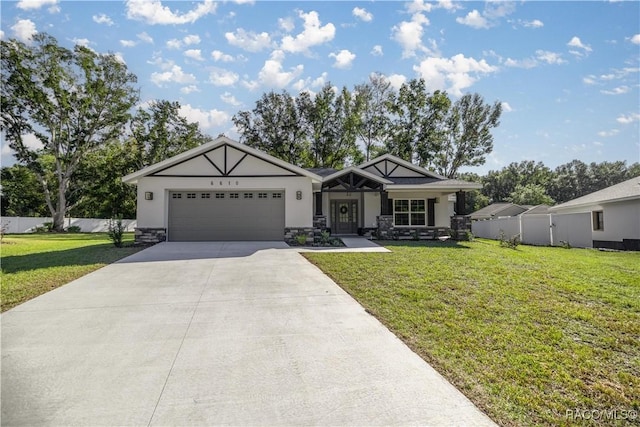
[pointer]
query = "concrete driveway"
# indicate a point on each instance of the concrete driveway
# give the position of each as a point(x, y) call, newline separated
point(210, 334)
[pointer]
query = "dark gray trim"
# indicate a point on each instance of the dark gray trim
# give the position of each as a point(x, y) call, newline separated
point(213, 164)
point(237, 163)
point(223, 176)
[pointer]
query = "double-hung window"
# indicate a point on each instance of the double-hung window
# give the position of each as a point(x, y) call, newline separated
point(409, 212)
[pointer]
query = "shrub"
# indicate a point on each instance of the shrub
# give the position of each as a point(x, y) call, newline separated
point(74, 229)
point(48, 226)
point(511, 243)
point(565, 245)
point(301, 239)
point(469, 236)
point(325, 236)
point(116, 231)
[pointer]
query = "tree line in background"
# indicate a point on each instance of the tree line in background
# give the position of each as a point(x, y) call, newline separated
point(83, 109)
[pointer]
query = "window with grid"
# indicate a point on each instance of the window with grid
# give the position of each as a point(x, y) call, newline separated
point(176, 196)
point(205, 195)
point(277, 195)
point(248, 195)
point(219, 195)
point(234, 195)
point(409, 212)
point(262, 195)
point(191, 195)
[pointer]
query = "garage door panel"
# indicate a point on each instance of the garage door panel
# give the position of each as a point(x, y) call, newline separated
point(226, 216)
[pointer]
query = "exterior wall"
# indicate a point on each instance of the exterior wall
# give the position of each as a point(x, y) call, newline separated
point(371, 210)
point(443, 207)
point(621, 220)
point(154, 213)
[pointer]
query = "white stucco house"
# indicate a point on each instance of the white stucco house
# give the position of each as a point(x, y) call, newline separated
point(224, 190)
point(615, 214)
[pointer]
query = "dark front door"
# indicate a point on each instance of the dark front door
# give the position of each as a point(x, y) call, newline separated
point(344, 216)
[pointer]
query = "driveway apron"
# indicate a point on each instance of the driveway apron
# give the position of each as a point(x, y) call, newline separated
point(235, 333)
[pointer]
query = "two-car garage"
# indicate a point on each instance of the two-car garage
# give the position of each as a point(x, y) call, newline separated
point(226, 215)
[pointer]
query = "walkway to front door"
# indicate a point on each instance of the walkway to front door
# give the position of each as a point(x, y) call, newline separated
point(344, 216)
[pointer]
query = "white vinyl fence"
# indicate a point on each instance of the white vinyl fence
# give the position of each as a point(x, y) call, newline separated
point(17, 225)
point(541, 229)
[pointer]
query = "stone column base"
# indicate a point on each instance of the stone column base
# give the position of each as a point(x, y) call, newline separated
point(146, 235)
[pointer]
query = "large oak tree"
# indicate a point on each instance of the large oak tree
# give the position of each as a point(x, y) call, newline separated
point(72, 101)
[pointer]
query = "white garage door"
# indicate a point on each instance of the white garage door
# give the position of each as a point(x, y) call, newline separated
point(228, 215)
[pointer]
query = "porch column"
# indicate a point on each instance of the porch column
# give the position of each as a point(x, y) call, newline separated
point(384, 203)
point(460, 203)
point(318, 203)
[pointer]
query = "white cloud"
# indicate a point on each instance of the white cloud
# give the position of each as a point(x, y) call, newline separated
point(173, 75)
point(536, 23)
point(191, 39)
point(128, 43)
point(521, 63)
point(102, 19)
point(620, 90)
point(81, 42)
point(118, 56)
point(506, 107)
point(220, 56)
point(474, 20)
point(250, 85)
point(194, 54)
point(189, 89)
point(222, 77)
point(286, 24)
point(35, 4)
point(153, 12)
point(606, 134)
point(549, 57)
point(396, 80)
point(576, 42)
point(344, 59)
point(24, 29)
point(625, 120)
point(454, 74)
point(272, 74)
point(1, 35)
point(228, 98)
point(589, 80)
point(419, 6)
point(145, 37)
point(206, 119)
point(248, 40)
point(362, 14)
point(312, 35)
point(377, 50)
point(409, 34)
point(635, 39)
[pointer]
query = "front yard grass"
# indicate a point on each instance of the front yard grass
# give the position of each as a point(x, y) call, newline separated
point(33, 264)
point(528, 334)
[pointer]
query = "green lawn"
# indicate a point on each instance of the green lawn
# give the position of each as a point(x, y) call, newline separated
point(526, 334)
point(33, 264)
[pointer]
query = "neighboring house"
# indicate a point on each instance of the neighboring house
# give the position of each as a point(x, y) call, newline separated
point(615, 214)
point(497, 210)
point(536, 210)
point(224, 190)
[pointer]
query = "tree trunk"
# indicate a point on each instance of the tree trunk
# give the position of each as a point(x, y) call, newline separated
point(61, 207)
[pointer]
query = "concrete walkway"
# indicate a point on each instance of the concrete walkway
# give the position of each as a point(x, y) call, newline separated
point(210, 334)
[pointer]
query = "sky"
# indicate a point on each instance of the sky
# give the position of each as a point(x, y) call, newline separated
point(566, 72)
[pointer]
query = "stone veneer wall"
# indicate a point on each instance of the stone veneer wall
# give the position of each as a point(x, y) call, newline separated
point(460, 225)
point(312, 234)
point(150, 235)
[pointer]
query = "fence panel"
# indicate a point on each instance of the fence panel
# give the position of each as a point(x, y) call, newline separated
point(572, 228)
point(18, 225)
point(536, 230)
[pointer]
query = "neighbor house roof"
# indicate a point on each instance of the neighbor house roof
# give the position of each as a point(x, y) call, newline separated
point(627, 190)
point(498, 209)
point(536, 210)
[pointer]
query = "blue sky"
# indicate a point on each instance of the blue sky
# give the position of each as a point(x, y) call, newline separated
point(566, 72)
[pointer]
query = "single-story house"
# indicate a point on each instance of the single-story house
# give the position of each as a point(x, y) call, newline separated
point(615, 214)
point(224, 190)
point(497, 210)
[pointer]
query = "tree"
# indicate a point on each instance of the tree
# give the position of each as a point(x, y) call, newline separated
point(530, 194)
point(373, 100)
point(498, 185)
point(72, 101)
point(332, 120)
point(467, 138)
point(160, 132)
point(21, 192)
point(276, 126)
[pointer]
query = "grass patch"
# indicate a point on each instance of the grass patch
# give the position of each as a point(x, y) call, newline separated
point(33, 264)
point(526, 334)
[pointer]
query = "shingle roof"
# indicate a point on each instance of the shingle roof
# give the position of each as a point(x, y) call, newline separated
point(322, 171)
point(497, 209)
point(629, 189)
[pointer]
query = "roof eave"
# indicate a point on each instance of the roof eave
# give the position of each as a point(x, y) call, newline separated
point(594, 203)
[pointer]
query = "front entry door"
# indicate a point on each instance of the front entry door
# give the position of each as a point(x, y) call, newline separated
point(344, 216)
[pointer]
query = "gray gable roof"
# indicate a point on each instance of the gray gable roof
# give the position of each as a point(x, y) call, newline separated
point(498, 209)
point(627, 190)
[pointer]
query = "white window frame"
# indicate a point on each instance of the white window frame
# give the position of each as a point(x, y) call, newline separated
point(410, 213)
